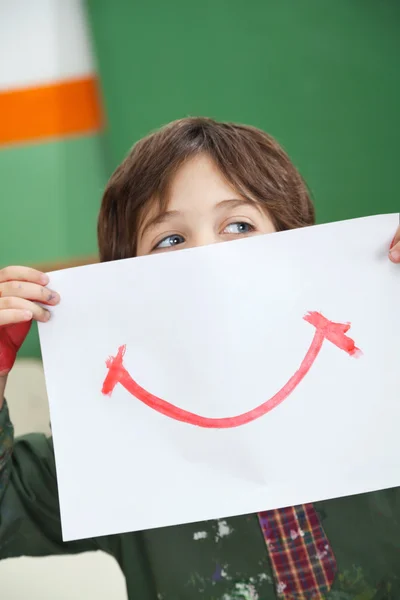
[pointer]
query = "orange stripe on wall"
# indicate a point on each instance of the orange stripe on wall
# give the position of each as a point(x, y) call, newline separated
point(48, 111)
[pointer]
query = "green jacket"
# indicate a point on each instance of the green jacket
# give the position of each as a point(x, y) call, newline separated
point(216, 560)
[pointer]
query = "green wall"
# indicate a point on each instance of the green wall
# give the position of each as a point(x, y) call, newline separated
point(320, 75)
point(50, 197)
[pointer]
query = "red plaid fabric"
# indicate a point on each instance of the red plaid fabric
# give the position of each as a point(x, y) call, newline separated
point(303, 562)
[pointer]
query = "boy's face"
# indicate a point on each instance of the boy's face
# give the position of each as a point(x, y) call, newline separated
point(202, 209)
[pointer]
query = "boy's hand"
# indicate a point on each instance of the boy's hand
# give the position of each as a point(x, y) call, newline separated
point(394, 253)
point(20, 289)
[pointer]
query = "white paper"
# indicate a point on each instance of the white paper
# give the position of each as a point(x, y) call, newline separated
point(217, 331)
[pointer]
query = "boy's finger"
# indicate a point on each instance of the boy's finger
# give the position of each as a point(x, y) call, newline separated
point(396, 239)
point(20, 304)
point(394, 253)
point(30, 291)
point(11, 316)
point(23, 274)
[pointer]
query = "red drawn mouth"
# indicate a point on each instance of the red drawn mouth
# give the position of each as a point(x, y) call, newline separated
point(324, 330)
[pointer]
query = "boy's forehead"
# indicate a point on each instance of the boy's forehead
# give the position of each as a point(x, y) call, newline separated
point(197, 175)
point(195, 180)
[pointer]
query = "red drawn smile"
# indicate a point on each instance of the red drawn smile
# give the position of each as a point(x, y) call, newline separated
point(325, 330)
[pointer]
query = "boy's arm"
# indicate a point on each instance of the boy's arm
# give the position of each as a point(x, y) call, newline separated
point(3, 381)
point(29, 509)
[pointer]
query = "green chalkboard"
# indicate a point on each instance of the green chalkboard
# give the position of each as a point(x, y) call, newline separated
point(320, 75)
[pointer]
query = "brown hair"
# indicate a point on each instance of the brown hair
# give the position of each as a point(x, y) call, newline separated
point(250, 160)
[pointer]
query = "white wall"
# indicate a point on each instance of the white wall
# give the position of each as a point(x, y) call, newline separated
point(42, 42)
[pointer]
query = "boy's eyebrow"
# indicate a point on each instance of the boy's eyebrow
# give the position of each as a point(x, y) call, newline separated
point(162, 217)
point(236, 203)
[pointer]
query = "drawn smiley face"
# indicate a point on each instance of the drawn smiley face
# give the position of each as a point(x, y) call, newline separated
point(324, 330)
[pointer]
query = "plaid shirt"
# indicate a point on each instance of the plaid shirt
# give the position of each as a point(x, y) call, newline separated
point(303, 562)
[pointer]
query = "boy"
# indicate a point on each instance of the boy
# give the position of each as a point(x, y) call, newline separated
point(197, 182)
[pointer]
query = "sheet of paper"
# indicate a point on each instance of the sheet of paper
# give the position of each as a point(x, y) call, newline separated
point(230, 388)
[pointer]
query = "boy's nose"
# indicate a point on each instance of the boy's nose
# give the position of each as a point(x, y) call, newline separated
point(204, 238)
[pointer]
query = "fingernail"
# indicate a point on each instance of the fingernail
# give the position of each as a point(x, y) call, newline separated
point(44, 279)
point(395, 255)
point(28, 315)
point(53, 297)
point(47, 315)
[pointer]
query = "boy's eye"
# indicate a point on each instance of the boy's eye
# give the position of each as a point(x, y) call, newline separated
point(170, 241)
point(239, 227)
